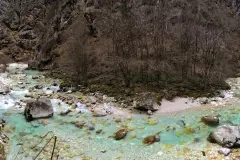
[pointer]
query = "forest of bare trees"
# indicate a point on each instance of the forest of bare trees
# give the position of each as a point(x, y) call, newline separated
point(170, 41)
point(160, 44)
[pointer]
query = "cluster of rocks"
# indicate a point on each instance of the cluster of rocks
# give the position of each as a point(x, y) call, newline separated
point(122, 133)
point(227, 136)
point(218, 100)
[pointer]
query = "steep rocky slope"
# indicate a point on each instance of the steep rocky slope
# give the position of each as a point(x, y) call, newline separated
point(154, 42)
point(29, 27)
point(25, 25)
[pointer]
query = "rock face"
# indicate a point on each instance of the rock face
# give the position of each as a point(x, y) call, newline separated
point(41, 108)
point(226, 136)
point(30, 27)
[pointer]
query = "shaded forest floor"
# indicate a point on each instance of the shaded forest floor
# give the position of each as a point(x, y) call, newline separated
point(164, 90)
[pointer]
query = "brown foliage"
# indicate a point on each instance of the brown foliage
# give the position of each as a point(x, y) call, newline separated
point(156, 43)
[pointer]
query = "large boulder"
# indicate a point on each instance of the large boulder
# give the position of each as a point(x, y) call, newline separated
point(147, 104)
point(41, 108)
point(226, 136)
point(4, 88)
point(3, 68)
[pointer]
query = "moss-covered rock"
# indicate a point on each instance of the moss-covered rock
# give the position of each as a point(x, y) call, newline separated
point(65, 84)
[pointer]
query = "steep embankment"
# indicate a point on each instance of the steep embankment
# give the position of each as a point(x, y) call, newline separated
point(178, 47)
point(77, 122)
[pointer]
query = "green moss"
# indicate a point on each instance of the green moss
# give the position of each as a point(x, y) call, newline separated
point(167, 87)
point(65, 84)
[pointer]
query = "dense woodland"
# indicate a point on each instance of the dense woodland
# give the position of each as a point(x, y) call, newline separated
point(180, 46)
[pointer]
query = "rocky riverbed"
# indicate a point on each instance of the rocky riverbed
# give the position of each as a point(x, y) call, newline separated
point(95, 126)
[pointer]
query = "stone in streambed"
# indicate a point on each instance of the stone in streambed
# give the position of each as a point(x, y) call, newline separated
point(35, 77)
point(151, 139)
point(98, 112)
point(149, 112)
point(133, 135)
point(121, 134)
point(43, 122)
point(99, 131)
point(224, 151)
point(210, 120)
point(118, 120)
point(38, 87)
point(227, 136)
point(41, 108)
point(80, 124)
point(91, 126)
point(64, 113)
point(152, 122)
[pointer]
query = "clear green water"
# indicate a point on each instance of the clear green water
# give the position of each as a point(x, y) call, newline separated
point(177, 141)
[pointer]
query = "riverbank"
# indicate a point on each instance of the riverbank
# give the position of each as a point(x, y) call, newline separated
point(93, 138)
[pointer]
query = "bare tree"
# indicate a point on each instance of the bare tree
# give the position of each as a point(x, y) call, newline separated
point(78, 55)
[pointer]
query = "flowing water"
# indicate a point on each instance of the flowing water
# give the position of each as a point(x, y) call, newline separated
point(182, 134)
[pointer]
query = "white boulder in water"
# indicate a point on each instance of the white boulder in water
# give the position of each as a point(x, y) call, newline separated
point(226, 136)
point(41, 108)
point(4, 88)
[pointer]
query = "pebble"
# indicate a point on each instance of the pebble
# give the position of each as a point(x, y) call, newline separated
point(99, 131)
point(38, 87)
point(149, 112)
point(80, 124)
point(160, 153)
point(152, 122)
point(224, 151)
point(35, 77)
point(91, 127)
point(129, 117)
point(118, 120)
point(68, 92)
point(103, 151)
point(133, 135)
